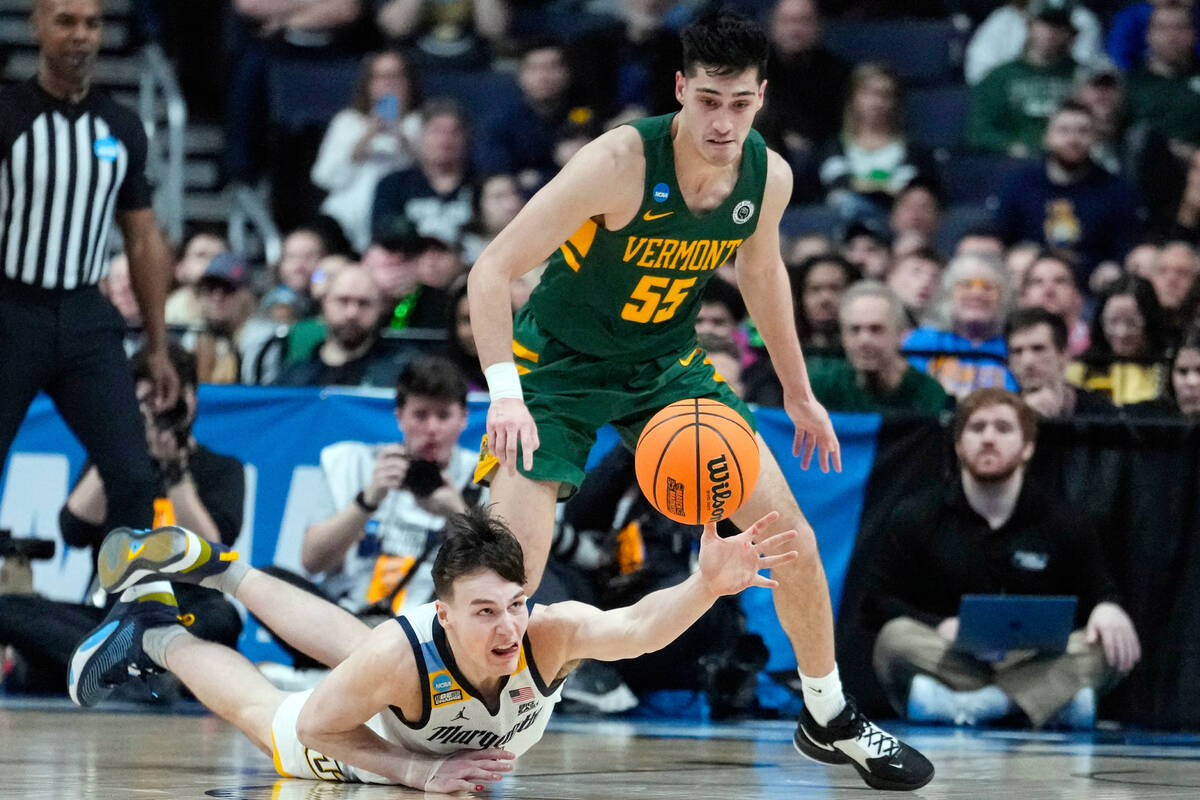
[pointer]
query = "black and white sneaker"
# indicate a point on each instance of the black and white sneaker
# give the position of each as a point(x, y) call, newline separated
point(882, 760)
point(112, 653)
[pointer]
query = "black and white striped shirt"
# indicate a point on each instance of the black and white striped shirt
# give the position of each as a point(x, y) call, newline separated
point(64, 168)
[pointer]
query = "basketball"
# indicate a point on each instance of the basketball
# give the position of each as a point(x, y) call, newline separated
point(697, 461)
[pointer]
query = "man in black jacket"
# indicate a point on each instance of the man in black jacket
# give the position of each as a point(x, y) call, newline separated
point(992, 533)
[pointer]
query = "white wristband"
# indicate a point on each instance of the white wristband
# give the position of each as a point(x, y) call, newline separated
point(503, 381)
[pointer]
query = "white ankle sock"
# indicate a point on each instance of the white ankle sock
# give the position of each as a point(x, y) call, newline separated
point(823, 696)
point(156, 641)
point(228, 579)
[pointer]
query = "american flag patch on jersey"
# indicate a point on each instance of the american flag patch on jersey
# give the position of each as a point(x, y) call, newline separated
point(521, 695)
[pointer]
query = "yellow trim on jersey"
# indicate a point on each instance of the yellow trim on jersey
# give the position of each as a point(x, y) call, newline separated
point(576, 248)
point(582, 239)
point(276, 759)
point(523, 370)
point(683, 362)
point(569, 257)
point(521, 351)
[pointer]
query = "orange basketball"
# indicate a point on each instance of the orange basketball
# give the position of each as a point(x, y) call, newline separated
point(697, 461)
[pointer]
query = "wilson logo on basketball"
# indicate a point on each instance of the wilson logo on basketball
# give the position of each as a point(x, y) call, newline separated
point(718, 493)
point(675, 496)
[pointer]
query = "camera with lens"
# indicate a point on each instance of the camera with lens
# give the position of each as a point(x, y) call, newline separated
point(422, 478)
point(30, 549)
point(175, 419)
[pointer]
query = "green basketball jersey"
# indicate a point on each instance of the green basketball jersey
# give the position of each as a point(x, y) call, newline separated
point(634, 293)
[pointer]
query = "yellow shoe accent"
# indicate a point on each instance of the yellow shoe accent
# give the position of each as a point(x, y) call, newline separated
point(135, 549)
point(228, 555)
point(188, 619)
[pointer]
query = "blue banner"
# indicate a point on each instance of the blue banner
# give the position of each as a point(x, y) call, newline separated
point(278, 435)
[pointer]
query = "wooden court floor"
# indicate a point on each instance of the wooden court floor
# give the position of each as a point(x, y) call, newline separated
point(57, 752)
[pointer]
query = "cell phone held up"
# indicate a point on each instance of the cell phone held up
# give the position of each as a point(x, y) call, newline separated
point(387, 108)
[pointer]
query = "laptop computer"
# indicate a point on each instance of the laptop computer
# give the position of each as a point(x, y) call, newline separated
point(990, 625)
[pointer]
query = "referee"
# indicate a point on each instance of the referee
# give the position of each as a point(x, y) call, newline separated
point(70, 160)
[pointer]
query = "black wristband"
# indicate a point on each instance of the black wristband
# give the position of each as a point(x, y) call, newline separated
point(362, 503)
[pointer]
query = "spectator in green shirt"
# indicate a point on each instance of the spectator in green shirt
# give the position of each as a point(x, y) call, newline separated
point(1011, 105)
point(875, 377)
point(1165, 93)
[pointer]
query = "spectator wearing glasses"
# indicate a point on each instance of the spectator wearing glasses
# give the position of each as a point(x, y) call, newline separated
point(1127, 344)
point(965, 350)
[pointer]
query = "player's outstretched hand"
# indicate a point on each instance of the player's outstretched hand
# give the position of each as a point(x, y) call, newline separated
point(509, 422)
point(730, 565)
point(814, 433)
point(469, 770)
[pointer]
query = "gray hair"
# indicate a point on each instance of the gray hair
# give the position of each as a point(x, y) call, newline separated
point(942, 314)
point(870, 288)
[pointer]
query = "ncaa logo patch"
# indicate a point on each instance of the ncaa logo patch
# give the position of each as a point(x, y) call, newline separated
point(441, 682)
point(743, 211)
point(107, 149)
point(661, 192)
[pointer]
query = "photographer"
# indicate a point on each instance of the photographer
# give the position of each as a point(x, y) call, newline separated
point(386, 504)
point(203, 490)
point(197, 488)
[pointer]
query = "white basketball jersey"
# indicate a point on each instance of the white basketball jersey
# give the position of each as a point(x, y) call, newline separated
point(453, 715)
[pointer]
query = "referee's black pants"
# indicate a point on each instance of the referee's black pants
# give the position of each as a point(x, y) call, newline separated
point(68, 344)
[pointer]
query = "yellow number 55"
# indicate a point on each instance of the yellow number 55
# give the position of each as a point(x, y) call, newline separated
point(649, 293)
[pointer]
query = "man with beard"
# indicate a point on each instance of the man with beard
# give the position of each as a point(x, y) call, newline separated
point(876, 377)
point(1069, 204)
point(991, 533)
point(350, 354)
point(1038, 358)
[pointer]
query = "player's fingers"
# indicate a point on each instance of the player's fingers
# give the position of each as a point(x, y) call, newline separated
point(810, 447)
point(527, 448)
point(763, 522)
point(496, 442)
point(837, 455)
point(765, 582)
point(769, 562)
point(776, 541)
point(710, 531)
point(796, 443)
point(497, 753)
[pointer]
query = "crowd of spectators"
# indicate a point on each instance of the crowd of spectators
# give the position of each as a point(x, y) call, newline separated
point(1096, 105)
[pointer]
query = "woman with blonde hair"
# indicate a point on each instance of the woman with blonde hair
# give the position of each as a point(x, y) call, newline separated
point(872, 160)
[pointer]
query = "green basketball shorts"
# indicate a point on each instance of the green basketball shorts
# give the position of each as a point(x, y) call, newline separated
point(572, 395)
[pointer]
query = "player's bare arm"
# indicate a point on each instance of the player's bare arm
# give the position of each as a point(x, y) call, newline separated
point(603, 181)
point(382, 674)
point(764, 284)
point(564, 633)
